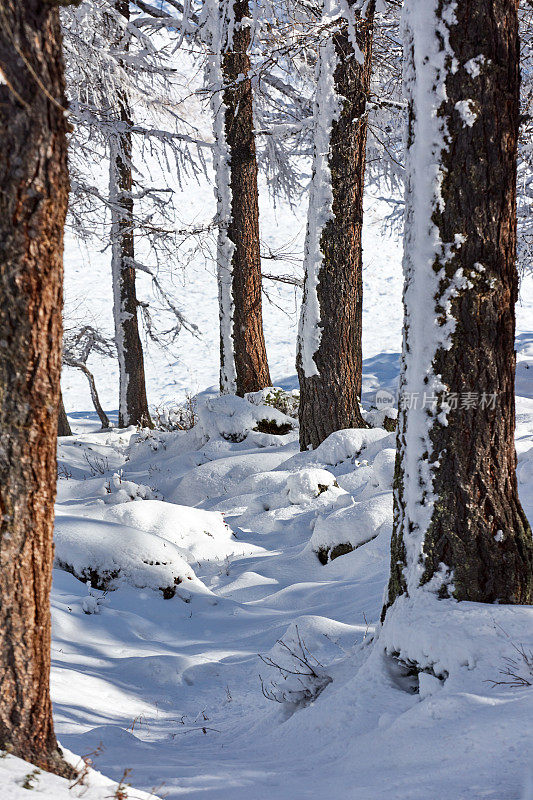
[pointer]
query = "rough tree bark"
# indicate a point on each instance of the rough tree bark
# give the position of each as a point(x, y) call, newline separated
point(33, 202)
point(459, 528)
point(329, 360)
point(133, 403)
point(63, 425)
point(249, 350)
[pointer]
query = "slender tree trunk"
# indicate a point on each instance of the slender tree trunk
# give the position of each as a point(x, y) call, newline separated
point(244, 365)
point(133, 403)
point(459, 528)
point(33, 202)
point(251, 365)
point(329, 360)
point(63, 425)
point(104, 419)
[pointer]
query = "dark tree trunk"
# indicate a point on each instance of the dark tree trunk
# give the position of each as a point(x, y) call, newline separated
point(330, 399)
point(33, 202)
point(251, 365)
point(63, 425)
point(476, 543)
point(133, 403)
point(102, 416)
point(104, 419)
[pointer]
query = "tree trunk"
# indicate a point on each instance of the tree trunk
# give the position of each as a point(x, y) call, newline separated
point(459, 528)
point(133, 403)
point(247, 343)
point(329, 360)
point(63, 425)
point(104, 419)
point(33, 202)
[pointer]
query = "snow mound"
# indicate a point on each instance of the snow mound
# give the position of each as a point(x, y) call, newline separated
point(236, 419)
point(121, 491)
point(382, 418)
point(525, 468)
point(343, 446)
point(465, 644)
point(200, 535)
point(105, 553)
point(147, 545)
point(383, 469)
point(17, 777)
point(285, 401)
point(347, 528)
point(223, 476)
point(307, 484)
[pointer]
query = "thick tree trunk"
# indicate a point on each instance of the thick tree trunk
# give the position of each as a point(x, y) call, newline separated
point(249, 350)
point(329, 358)
point(133, 403)
point(459, 527)
point(63, 425)
point(33, 202)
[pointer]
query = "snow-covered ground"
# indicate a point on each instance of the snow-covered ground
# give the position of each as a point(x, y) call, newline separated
point(203, 545)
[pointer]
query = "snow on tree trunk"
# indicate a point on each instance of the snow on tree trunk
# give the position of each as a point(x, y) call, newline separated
point(33, 203)
point(459, 529)
point(329, 359)
point(133, 404)
point(243, 358)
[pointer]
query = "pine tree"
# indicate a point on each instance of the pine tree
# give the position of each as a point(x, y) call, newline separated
point(133, 403)
point(243, 358)
point(33, 203)
point(329, 360)
point(459, 528)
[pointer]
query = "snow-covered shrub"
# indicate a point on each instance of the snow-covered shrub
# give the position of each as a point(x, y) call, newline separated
point(199, 535)
point(18, 778)
point(92, 603)
point(121, 491)
point(147, 545)
point(235, 418)
point(346, 529)
point(177, 417)
point(105, 554)
point(285, 401)
point(344, 446)
point(299, 678)
point(383, 469)
point(386, 418)
point(307, 484)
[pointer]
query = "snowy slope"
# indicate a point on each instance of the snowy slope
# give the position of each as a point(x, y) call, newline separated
point(170, 687)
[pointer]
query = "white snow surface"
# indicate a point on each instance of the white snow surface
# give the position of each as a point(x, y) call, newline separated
point(170, 688)
point(17, 778)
